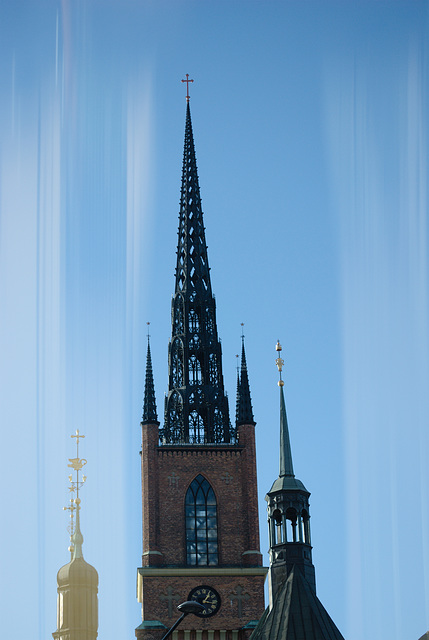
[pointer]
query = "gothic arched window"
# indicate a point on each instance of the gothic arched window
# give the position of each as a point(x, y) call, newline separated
point(201, 523)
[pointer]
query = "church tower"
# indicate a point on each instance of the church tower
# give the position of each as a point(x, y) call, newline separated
point(77, 603)
point(199, 495)
point(294, 610)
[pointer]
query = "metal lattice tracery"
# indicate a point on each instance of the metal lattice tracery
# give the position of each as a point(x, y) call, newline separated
point(196, 407)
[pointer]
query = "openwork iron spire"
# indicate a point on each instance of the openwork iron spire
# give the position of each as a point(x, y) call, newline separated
point(150, 415)
point(196, 406)
point(244, 402)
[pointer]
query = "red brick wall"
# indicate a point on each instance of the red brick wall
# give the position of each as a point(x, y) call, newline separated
point(167, 472)
point(162, 594)
point(150, 495)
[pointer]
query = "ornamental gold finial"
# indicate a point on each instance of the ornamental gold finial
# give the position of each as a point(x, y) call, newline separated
point(279, 362)
point(74, 504)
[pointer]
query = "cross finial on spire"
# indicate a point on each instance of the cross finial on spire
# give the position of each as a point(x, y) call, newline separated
point(187, 87)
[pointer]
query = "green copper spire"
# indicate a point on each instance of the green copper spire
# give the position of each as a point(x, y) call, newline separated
point(149, 405)
point(288, 513)
point(286, 466)
point(286, 479)
point(244, 408)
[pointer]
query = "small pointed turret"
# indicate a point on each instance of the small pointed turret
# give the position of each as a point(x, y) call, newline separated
point(244, 406)
point(150, 415)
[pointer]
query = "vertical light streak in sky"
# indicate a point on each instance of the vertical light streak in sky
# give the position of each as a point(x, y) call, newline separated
point(139, 206)
point(17, 336)
point(49, 373)
point(378, 163)
point(30, 329)
point(140, 122)
point(415, 203)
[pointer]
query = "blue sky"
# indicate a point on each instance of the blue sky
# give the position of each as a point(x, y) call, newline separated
point(310, 122)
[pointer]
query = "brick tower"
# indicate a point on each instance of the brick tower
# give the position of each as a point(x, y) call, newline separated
point(199, 493)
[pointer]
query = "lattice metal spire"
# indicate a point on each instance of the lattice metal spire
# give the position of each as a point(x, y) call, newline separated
point(196, 407)
point(244, 402)
point(150, 415)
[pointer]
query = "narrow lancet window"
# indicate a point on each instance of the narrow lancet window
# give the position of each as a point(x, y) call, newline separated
point(201, 523)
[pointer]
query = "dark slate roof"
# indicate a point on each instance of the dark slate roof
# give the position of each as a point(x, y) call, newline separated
point(297, 614)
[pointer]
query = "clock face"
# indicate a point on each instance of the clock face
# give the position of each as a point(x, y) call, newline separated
point(208, 597)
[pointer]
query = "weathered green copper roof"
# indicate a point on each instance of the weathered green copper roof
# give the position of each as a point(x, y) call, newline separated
point(286, 483)
point(151, 624)
point(297, 614)
point(252, 624)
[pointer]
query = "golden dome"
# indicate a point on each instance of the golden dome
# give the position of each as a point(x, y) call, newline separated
point(77, 572)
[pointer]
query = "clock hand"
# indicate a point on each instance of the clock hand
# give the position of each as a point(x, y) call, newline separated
point(206, 599)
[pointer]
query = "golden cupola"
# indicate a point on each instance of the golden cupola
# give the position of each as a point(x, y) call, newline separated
point(77, 581)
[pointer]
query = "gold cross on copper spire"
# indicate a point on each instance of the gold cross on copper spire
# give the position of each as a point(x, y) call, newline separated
point(187, 86)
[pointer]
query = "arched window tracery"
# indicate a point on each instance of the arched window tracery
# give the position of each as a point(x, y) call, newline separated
point(201, 523)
